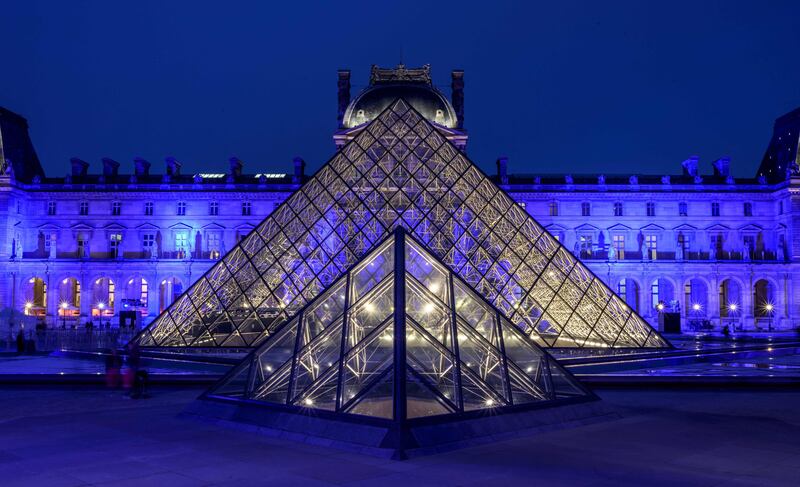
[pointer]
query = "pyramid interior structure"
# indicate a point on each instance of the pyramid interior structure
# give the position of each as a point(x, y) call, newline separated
point(399, 172)
point(399, 337)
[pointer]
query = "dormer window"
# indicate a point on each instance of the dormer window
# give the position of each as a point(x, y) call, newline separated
point(439, 118)
point(360, 117)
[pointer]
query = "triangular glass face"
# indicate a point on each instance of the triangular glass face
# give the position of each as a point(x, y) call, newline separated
point(379, 181)
point(340, 352)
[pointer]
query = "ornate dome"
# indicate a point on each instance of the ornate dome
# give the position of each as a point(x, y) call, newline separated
point(387, 85)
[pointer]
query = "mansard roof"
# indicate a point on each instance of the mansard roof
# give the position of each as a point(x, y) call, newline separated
point(16, 147)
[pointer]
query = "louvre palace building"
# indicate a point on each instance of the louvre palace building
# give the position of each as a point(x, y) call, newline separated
point(113, 236)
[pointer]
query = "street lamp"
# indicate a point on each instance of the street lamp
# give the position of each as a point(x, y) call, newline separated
point(101, 306)
point(768, 307)
point(64, 306)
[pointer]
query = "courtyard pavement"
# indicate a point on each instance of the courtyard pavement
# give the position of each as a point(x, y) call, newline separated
point(88, 436)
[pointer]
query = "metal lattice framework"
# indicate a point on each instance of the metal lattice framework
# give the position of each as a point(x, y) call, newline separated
point(399, 172)
point(399, 337)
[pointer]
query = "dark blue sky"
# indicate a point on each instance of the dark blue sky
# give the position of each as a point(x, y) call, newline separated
point(614, 87)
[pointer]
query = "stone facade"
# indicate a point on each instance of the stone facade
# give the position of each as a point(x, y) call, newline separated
point(716, 249)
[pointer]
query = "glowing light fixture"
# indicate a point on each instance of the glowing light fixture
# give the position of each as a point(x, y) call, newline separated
point(696, 306)
point(733, 306)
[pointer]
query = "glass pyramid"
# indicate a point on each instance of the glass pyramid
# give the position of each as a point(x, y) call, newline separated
point(399, 172)
point(399, 337)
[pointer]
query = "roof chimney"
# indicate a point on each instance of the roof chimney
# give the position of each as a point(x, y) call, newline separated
point(344, 94)
point(173, 166)
point(299, 170)
point(690, 166)
point(457, 96)
point(236, 166)
point(141, 167)
point(722, 166)
point(110, 167)
point(502, 169)
point(79, 167)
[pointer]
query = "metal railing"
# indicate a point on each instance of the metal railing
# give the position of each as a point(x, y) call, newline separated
point(51, 339)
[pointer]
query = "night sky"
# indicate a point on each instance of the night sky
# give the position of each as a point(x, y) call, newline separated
point(612, 87)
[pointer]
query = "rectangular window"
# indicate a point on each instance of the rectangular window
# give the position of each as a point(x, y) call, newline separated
point(651, 209)
point(586, 209)
point(116, 208)
point(716, 243)
point(683, 209)
point(749, 244)
point(181, 244)
point(617, 209)
point(148, 241)
point(148, 208)
point(213, 208)
point(82, 247)
point(247, 208)
point(84, 208)
point(780, 207)
point(181, 208)
point(748, 209)
point(654, 294)
point(586, 245)
point(214, 246)
point(714, 209)
point(651, 243)
point(618, 241)
point(553, 207)
point(114, 241)
point(51, 208)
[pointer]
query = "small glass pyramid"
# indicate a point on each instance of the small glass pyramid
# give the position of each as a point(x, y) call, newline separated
point(399, 172)
point(399, 336)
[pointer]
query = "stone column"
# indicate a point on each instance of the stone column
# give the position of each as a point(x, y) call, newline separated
point(713, 302)
point(86, 297)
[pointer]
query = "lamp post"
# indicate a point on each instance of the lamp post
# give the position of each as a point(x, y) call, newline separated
point(769, 308)
point(64, 306)
point(732, 308)
point(101, 306)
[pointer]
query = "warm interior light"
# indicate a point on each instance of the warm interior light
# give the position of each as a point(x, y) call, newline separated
point(660, 306)
point(369, 308)
point(308, 401)
point(28, 305)
point(434, 287)
point(64, 305)
point(490, 402)
point(428, 308)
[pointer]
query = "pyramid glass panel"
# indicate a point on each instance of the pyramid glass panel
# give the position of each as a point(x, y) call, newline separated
point(398, 350)
point(399, 171)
